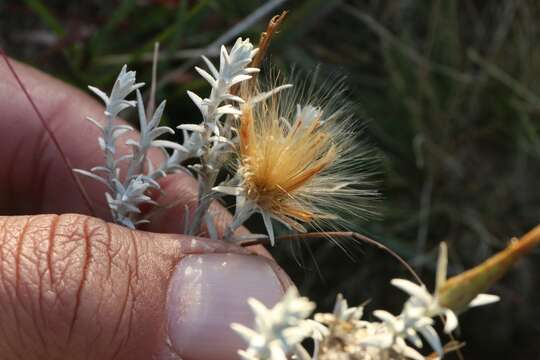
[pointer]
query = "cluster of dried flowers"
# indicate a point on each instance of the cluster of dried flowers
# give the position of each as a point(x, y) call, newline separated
point(343, 334)
point(296, 163)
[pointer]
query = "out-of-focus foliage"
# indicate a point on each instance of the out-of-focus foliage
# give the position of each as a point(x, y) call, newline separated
point(449, 90)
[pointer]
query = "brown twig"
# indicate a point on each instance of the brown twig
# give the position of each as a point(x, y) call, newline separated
point(266, 38)
point(264, 43)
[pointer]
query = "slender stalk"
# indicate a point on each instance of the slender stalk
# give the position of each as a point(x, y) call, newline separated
point(341, 235)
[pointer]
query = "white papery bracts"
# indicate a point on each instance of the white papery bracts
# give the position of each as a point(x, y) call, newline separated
point(278, 331)
point(213, 139)
point(344, 335)
point(127, 192)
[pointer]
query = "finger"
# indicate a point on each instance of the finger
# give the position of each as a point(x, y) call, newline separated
point(74, 287)
point(33, 177)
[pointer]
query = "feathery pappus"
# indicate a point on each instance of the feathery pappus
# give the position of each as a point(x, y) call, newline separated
point(298, 158)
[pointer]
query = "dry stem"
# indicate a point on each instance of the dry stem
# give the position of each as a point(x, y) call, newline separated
point(340, 234)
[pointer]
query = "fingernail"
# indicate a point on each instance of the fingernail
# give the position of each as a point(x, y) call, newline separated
point(209, 292)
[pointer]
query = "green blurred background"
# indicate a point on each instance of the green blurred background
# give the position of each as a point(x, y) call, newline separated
point(449, 92)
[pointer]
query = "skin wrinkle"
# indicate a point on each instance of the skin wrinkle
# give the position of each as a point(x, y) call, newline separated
point(117, 351)
point(18, 298)
point(27, 132)
point(113, 265)
point(67, 255)
point(13, 349)
point(40, 280)
point(52, 234)
point(41, 315)
point(132, 303)
point(89, 233)
point(109, 250)
point(121, 346)
point(135, 254)
point(126, 297)
point(65, 258)
point(94, 236)
point(12, 300)
point(39, 168)
point(7, 344)
point(2, 243)
point(86, 261)
point(28, 309)
point(18, 253)
point(133, 280)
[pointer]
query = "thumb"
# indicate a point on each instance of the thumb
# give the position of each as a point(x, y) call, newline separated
point(74, 287)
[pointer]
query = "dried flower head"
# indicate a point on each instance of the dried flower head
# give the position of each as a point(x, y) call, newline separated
point(343, 334)
point(298, 158)
point(278, 330)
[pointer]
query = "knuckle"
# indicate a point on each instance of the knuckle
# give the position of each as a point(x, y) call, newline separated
point(65, 286)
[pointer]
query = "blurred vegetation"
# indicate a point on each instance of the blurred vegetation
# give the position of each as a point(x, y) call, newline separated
point(449, 90)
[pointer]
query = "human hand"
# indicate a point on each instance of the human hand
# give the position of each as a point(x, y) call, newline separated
point(74, 286)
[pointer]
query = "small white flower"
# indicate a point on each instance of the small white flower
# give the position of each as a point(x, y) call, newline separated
point(341, 312)
point(123, 86)
point(417, 316)
point(232, 70)
point(278, 330)
point(343, 334)
point(422, 303)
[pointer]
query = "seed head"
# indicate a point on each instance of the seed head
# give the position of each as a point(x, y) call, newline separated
point(299, 161)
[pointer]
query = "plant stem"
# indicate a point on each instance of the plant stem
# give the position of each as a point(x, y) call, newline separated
point(341, 235)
